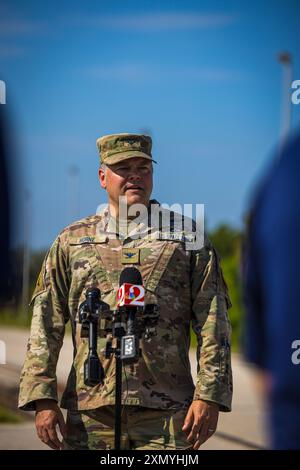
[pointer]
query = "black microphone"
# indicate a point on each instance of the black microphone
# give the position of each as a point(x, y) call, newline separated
point(131, 300)
point(89, 312)
point(131, 275)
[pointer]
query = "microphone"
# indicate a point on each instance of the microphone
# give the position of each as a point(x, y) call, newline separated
point(130, 301)
point(131, 292)
point(89, 313)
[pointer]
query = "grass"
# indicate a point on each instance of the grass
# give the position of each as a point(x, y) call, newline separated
point(20, 319)
point(8, 416)
point(15, 317)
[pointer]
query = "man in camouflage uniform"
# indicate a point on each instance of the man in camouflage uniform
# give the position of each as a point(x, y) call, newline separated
point(162, 407)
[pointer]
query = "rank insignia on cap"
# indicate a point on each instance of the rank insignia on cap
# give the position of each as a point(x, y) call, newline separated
point(130, 256)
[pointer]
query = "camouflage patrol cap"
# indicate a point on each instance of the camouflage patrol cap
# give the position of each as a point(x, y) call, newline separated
point(117, 147)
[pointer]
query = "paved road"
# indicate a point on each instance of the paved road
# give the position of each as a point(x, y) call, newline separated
point(241, 429)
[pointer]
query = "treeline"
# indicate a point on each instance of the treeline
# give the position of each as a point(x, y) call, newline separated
point(228, 243)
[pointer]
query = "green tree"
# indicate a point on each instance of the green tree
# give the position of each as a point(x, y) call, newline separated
point(228, 242)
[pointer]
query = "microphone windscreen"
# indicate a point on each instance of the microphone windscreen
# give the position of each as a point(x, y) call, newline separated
point(131, 275)
point(93, 292)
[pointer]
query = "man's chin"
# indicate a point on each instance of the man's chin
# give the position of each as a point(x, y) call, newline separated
point(136, 199)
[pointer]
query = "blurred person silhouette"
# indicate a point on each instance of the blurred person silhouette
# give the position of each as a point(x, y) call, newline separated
point(4, 214)
point(271, 270)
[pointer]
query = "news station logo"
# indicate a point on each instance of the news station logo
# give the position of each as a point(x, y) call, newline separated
point(131, 295)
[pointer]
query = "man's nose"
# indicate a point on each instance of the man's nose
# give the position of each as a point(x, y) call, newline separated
point(134, 175)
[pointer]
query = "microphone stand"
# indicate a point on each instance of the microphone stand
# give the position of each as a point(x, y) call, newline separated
point(118, 331)
point(128, 326)
point(118, 399)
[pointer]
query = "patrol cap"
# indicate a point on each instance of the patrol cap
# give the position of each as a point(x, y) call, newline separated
point(115, 148)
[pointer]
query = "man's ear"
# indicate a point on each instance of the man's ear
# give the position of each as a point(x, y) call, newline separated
point(102, 178)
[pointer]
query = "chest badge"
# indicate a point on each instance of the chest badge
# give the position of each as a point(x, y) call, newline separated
point(130, 256)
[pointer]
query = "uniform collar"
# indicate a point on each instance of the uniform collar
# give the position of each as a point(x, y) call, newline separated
point(111, 226)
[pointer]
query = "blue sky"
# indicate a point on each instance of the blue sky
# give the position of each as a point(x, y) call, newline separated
point(200, 76)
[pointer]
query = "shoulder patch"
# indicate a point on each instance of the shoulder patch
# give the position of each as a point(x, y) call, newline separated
point(40, 286)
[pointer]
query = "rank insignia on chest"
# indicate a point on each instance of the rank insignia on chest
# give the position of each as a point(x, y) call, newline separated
point(130, 256)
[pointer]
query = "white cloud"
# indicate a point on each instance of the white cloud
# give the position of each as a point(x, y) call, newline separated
point(58, 143)
point(122, 72)
point(160, 21)
point(153, 73)
point(10, 51)
point(19, 27)
point(13, 29)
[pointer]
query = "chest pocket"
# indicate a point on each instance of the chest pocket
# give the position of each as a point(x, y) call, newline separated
point(163, 263)
point(155, 264)
point(87, 266)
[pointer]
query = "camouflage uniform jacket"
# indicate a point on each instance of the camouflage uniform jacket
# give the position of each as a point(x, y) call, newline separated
point(187, 285)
